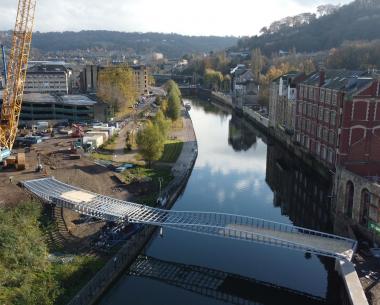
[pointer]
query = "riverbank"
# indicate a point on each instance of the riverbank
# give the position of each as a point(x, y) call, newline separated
point(129, 252)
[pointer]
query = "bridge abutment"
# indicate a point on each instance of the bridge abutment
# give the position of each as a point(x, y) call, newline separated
point(351, 281)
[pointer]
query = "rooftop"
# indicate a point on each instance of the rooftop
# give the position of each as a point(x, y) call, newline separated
point(44, 98)
point(47, 68)
point(343, 80)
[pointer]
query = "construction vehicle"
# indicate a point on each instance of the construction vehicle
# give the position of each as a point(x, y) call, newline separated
point(78, 131)
point(14, 89)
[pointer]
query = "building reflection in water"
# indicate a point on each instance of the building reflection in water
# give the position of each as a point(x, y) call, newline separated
point(240, 136)
point(302, 195)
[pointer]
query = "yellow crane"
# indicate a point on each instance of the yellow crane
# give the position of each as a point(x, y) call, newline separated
point(16, 75)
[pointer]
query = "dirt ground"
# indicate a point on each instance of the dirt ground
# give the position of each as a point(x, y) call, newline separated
point(84, 173)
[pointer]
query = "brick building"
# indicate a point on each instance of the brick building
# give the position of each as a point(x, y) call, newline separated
point(338, 120)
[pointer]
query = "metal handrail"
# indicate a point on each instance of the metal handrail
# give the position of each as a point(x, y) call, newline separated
point(111, 209)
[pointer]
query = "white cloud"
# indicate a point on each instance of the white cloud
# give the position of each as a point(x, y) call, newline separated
point(198, 17)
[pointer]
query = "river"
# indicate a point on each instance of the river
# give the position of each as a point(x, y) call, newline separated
point(238, 171)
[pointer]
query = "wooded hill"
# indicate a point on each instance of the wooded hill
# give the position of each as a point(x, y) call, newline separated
point(171, 45)
point(359, 20)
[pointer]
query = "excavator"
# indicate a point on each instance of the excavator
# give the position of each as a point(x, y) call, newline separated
point(14, 88)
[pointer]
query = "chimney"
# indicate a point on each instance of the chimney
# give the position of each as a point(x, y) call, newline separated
point(322, 77)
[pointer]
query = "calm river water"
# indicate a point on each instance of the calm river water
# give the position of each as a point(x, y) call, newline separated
point(238, 171)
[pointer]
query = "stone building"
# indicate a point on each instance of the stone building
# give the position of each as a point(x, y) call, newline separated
point(358, 202)
point(90, 73)
point(141, 79)
point(245, 88)
point(282, 102)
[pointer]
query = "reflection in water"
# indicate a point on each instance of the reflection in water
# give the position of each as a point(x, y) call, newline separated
point(241, 137)
point(245, 177)
point(301, 194)
point(220, 285)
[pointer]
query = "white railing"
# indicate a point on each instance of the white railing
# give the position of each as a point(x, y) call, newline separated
point(207, 223)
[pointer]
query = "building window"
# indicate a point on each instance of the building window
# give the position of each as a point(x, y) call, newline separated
point(319, 132)
point(328, 96)
point(335, 98)
point(307, 142)
point(320, 114)
point(349, 199)
point(318, 149)
point(332, 137)
point(333, 118)
point(322, 96)
point(316, 94)
point(309, 106)
point(327, 116)
point(323, 152)
point(325, 134)
point(374, 210)
point(304, 106)
point(330, 156)
point(301, 91)
point(364, 208)
point(308, 126)
point(300, 108)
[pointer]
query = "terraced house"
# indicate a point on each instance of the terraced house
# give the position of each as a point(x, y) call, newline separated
point(338, 120)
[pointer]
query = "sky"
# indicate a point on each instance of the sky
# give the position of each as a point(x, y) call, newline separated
point(190, 17)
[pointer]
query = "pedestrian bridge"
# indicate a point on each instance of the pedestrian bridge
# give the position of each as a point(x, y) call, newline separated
point(215, 224)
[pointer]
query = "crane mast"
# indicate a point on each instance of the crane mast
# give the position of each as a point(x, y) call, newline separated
point(16, 73)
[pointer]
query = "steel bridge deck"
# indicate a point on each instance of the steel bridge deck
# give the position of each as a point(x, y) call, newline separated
point(215, 224)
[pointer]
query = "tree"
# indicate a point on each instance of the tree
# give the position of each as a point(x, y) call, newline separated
point(116, 86)
point(257, 63)
point(174, 106)
point(171, 86)
point(213, 79)
point(162, 123)
point(227, 83)
point(150, 142)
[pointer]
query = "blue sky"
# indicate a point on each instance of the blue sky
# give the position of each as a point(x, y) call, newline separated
point(191, 17)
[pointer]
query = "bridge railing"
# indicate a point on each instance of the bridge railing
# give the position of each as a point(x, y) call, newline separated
point(216, 224)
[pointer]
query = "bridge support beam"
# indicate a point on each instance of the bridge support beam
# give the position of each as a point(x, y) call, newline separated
point(351, 281)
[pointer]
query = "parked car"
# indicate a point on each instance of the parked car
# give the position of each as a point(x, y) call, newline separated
point(124, 167)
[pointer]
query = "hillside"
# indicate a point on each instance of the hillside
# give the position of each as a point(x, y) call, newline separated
point(171, 45)
point(359, 20)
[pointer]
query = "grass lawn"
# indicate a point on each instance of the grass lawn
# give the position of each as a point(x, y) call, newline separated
point(110, 144)
point(73, 276)
point(151, 176)
point(99, 156)
point(172, 151)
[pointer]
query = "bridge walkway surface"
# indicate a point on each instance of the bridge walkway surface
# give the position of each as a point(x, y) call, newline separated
point(215, 224)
